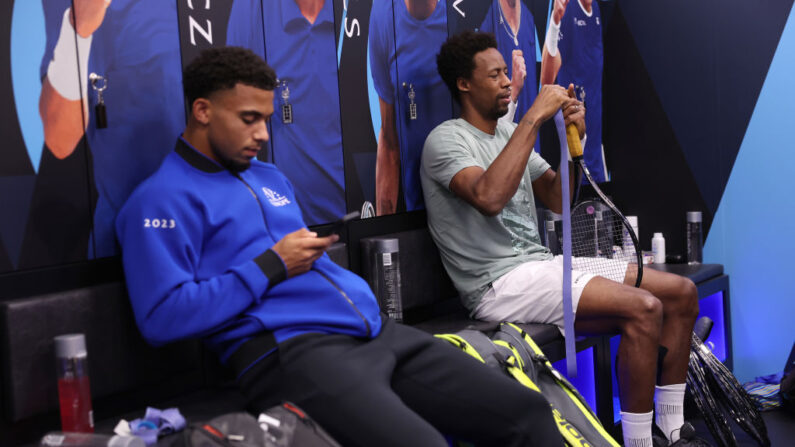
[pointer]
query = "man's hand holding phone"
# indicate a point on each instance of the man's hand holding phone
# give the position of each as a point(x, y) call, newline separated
point(300, 249)
point(337, 226)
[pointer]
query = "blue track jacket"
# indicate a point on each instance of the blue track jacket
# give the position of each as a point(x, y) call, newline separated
point(196, 245)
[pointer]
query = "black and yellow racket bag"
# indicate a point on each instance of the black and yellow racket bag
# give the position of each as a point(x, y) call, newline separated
point(513, 351)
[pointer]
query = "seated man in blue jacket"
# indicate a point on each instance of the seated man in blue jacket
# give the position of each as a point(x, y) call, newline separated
point(214, 246)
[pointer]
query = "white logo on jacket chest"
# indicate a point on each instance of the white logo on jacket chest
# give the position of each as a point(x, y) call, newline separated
point(274, 197)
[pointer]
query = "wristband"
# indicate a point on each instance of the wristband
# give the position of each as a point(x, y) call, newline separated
point(551, 41)
point(66, 74)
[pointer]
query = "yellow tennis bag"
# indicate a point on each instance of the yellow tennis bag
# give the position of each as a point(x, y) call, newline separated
point(512, 350)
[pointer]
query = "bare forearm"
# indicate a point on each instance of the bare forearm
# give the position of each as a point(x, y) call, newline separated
point(62, 121)
point(387, 175)
point(501, 180)
point(550, 65)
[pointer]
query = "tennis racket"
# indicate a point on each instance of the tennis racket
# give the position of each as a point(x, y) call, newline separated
point(602, 239)
point(718, 394)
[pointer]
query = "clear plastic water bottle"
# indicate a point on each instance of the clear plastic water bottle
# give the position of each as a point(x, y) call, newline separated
point(384, 274)
point(74, 391)
point(694, 238)
point(66, 439)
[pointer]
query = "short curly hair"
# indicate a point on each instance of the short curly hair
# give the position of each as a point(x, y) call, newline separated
point(222, 68)
point(456, 59)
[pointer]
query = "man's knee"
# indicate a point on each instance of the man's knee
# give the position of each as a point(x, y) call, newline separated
point(684, 300)
point(690, 295)
point(645, 317)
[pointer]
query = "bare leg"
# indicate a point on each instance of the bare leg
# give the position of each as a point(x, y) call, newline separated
point(679, 298)
point(607, 307)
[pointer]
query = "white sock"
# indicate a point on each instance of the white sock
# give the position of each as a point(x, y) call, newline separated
point(669, 403)
point(637, 429)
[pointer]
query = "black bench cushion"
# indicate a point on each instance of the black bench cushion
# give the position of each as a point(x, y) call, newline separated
point(119, 359)
point(431, 303)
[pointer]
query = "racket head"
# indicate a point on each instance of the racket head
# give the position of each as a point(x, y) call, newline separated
point(600, 244)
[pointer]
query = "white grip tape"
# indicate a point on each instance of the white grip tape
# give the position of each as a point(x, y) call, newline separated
point(66, 75)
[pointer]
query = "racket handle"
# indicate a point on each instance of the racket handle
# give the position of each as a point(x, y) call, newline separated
point(573, 138)
point(572, 135)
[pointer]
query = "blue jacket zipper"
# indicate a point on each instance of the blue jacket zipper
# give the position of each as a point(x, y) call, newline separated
point(342, 292)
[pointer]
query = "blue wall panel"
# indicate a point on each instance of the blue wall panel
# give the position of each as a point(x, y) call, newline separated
point(752, 233)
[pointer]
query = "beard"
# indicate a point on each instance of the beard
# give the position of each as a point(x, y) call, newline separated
point(231, 164)
point(498, 111)
point(235, 166)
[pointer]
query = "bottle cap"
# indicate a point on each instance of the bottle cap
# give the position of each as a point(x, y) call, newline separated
point(70, 345)
point(694, 216)
point(658, 235)
point(384, 245)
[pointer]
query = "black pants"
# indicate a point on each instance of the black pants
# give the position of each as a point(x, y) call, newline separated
point(403, 388)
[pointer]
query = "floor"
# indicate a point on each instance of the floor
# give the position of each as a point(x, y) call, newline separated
point(780, 429)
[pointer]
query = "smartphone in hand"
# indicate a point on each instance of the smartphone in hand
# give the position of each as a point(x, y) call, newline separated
point(336, 226)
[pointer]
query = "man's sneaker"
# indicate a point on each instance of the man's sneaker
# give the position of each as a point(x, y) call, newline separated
point(658, 438)
point(688, 438)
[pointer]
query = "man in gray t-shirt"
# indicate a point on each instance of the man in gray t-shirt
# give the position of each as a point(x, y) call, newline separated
point(480, 178)
point(477, 249)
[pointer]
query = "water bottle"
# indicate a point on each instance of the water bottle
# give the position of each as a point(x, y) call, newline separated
point(67, 439)
point(694, 238)
point(74, 392)
point(658, 248)
point(384, 274)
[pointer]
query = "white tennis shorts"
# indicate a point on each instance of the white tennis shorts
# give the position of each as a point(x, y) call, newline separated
point(533, 292)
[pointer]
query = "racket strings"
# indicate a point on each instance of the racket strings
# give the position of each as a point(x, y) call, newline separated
point(730, 396)
point(599, 243)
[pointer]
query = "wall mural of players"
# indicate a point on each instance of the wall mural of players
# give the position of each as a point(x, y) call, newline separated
point(577, 58)
point(110, 107)
point(129, 80)
point(357, 100)
point(573, 54)
point(405, 36)
point(74, 169)
point(514, 27)
point(512, 24)
point(298, 42)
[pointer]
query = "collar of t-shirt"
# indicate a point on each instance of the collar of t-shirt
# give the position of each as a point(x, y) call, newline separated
point(292, 16)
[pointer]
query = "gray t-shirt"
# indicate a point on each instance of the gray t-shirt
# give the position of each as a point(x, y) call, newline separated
point(477, 249)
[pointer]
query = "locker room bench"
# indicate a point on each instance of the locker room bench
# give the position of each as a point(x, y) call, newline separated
point(127, 375)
